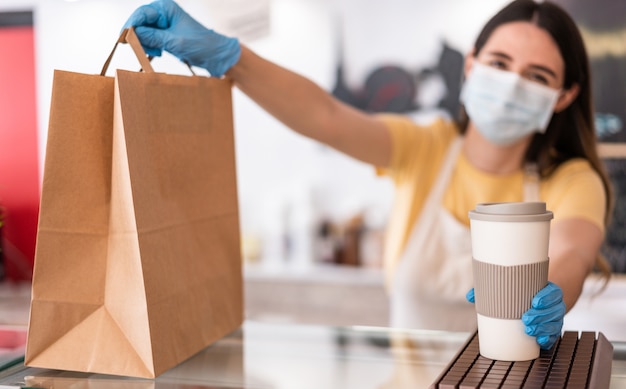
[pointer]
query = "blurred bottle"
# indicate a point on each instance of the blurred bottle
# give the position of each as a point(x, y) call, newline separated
point(326, 242)
point(351, 241)
point(301, 230)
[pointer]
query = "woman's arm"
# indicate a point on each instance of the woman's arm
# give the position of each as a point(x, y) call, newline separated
point(306, 108)
point(574, 247)
point(291, 98)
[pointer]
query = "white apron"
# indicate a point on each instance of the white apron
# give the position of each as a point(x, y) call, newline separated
point(435, 270)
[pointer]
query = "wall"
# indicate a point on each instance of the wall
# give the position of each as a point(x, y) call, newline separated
point(19, 175)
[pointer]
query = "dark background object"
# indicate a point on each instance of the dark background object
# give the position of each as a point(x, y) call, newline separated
point(603, 26)
point(391, 88)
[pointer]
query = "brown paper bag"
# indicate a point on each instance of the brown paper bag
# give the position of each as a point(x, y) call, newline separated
point(138, 263)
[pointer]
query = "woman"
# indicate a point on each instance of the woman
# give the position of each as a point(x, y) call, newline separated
point(529, 136)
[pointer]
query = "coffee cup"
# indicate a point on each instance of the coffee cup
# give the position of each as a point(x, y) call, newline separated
point(510, 265)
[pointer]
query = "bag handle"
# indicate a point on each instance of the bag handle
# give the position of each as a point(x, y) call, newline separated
point(129, 36)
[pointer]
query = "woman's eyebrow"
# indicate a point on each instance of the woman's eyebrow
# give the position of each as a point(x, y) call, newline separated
point(501, 55)
point(545, 70)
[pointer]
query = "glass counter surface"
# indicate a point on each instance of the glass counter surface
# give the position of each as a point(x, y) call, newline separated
point(290, 356)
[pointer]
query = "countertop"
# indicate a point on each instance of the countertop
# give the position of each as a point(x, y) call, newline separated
point(293, 356)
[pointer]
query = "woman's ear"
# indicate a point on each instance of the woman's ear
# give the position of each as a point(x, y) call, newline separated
point(566, 97)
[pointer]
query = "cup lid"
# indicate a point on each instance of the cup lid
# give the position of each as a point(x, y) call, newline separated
point(511, 212)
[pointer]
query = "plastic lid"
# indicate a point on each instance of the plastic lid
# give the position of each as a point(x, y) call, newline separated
point(511, 212)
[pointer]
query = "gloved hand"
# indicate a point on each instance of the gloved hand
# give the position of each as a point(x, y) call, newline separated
point(469, 296)
point(544, 320)
point(163, 25)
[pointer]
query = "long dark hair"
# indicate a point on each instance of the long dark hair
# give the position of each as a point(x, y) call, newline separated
point(571, 132)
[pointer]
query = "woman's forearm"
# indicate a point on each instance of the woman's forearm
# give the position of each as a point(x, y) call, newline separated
point(309, 110)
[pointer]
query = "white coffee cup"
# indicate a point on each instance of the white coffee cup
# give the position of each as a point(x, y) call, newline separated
point(510, 264)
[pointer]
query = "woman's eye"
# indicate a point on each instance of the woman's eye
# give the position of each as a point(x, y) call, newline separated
point(538, 78)
point(498, 64)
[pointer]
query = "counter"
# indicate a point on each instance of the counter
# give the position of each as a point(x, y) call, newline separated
point(293, 356)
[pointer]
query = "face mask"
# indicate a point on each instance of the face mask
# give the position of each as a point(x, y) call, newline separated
point(505, 107)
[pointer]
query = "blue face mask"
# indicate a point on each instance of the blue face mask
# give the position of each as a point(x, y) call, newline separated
point(505, 107)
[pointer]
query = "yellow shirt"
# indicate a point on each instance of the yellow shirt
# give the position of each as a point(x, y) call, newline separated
point(574, 190)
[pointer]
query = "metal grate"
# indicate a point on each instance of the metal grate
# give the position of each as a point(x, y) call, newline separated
point(575, 361)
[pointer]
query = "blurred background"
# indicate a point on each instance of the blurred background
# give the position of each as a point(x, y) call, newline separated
point(296, 196)
point(309, 215)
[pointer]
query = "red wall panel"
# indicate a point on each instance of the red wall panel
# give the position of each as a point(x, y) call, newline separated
point(19, 175)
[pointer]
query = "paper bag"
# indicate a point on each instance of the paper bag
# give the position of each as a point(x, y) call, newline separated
point(137, 263)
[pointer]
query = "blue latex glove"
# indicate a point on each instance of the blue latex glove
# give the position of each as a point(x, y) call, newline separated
point(163, 25)
point(470, 296)
point(544, 320)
